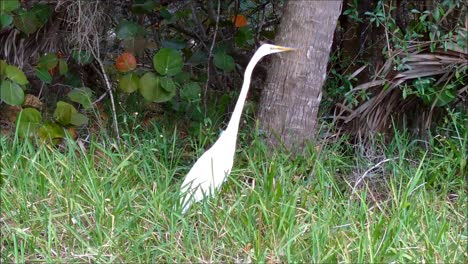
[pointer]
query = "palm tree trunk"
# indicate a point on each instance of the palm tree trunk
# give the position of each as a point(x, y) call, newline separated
point(292, 93)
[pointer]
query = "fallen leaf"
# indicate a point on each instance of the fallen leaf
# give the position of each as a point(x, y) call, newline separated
point(32, 101)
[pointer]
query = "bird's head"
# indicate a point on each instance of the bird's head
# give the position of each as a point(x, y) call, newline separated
point(266, 49)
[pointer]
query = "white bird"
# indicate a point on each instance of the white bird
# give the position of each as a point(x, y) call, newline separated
point(214, 166)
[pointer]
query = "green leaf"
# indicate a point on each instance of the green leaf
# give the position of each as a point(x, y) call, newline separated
point(173, 44)
point(63, 113)
point(5, 20)
point(31, 20)
point(28, 121)
point(51, 132)
point(163, 96)
point(72, 79)
point(16, 75)
point(167, 84)
point(185, 13)
point(182, 77)
point(128, 30)
point(43, 75)
point(427, 98)
point(222, 47)
point(165, 14)
point(82, 57)
point(243, 36)
point(190, 91)
point(148, 85)
point(447, 96)
point(143, 6)
point(168, 62)
point(3, 66)
point(83, 96)
point(151, 90)
point(11, 93)
point(79, 119)
point(128, 83)
point(8, 5)
point(63, 67)
point(42, 12)
point(48, 61)
point(197, 58)
point(224, 62)
point(437, 14)
point(26, 22)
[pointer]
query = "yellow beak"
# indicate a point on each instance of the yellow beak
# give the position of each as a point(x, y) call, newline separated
point(281, 48)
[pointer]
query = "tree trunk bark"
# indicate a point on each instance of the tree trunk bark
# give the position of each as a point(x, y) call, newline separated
point(292, 93)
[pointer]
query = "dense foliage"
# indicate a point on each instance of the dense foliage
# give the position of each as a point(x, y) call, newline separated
point(184, 60)
point(178, 54)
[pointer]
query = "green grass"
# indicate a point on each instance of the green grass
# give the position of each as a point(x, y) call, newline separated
point(112, 202)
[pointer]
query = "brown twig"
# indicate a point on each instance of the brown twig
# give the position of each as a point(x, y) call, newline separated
point(210, 55)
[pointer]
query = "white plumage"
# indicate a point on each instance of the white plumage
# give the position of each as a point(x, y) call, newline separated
point(214, 166)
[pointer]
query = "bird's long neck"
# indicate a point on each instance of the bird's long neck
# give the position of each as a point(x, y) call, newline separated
point(233, 125)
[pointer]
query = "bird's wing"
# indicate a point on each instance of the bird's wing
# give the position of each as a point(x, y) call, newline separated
point(209, 172)
point(200, 180)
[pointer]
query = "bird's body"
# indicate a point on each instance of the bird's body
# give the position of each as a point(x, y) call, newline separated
point(214, 166)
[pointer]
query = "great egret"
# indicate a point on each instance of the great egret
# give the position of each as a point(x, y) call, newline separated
point(214, 166)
